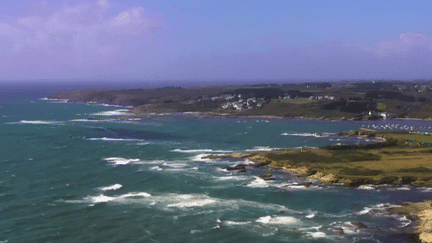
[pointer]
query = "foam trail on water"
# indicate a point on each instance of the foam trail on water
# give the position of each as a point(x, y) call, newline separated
point(57, 100)
point(200, 158)
point(114, 139)
point(231, 178)
point(366, 187)
point(283, 220)
point(192, 203)
point(201, 151)
point(258, 182)
point(109, 188)
point(37, 122)
point(120, 161)
point(119, 112)
point(316, 234)
point(318, 135)
point(156, 168)
point(378, 207)
point(99, 199)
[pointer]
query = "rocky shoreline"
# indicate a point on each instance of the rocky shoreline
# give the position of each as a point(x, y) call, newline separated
point(420, 213)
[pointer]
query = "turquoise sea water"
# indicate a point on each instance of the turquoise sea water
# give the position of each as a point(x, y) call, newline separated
point(65, 178)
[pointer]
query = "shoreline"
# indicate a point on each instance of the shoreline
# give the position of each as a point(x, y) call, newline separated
point(211, 114)
point(419, 213)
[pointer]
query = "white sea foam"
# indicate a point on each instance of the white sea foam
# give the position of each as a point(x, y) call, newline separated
point(258, 182)
point(296, 187)
point(83, 120)
point(229, 223)
point(201, 151)
point(378, 207)
point(365, 210)
point(316, 234)
point(261, 148)
point(134, 195)
point(311, 228)
point(403, 188)
point(232, 178)
point(310, 216)
point(222, 169)
point(248, 162)
point(99, 199)
point(283, 220)
point(150, 162)
point(173, 201)
point(366, 187)
point(37, 122)
point(102, 198)
point(108, 105)
point(144, 143)
point(57, 100)
point(200, 158)
point(193, 203)
point(426, 189)
point(347, 227)
point(175, 165)
point(120, 161)
point(115, 139)
point(109, 188)
point(119, 112)
point(405, 221)
point(91, 120)
point(156, 168)
point(318, 135)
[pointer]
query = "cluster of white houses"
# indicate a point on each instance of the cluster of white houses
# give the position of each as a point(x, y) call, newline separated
point(242, 104)
point(322, 97)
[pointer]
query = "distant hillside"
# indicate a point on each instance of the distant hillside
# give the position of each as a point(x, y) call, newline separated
point(358, 101)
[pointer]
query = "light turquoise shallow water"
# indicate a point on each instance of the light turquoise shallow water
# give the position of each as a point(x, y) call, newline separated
point(66, 179)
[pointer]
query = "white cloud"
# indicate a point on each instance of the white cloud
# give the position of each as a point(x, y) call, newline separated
point(85, 24)
point(407, 45)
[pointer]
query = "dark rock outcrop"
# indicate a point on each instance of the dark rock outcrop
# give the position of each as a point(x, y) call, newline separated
point(240, 168)
point(267, 177)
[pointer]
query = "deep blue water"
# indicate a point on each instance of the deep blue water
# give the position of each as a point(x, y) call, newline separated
point(65, 178)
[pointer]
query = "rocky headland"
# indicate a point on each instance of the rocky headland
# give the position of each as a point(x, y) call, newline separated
point(381, 163)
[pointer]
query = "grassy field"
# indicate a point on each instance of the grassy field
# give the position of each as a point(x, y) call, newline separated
point(407, 161)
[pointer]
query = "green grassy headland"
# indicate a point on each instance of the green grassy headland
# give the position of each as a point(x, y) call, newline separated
point(403, 158)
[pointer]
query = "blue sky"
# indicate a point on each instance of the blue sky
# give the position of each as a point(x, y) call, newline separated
point(206, 41)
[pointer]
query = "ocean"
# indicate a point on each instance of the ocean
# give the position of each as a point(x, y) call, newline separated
point(66, 177)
